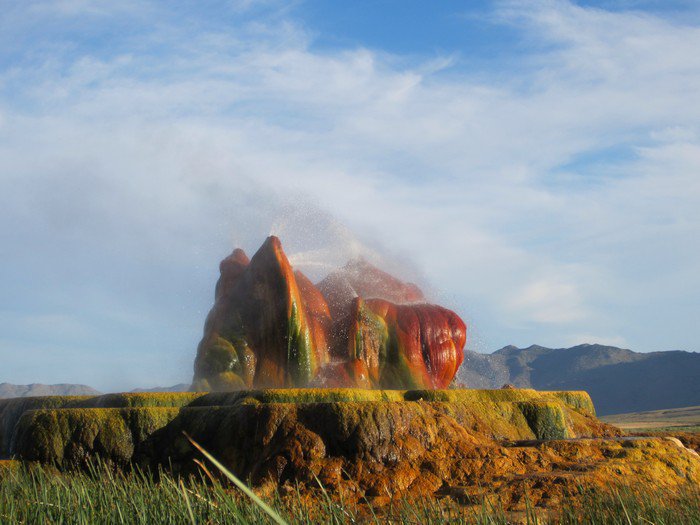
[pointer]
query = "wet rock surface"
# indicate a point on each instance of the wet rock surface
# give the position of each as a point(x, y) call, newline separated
point(271, 327)
point(361, 444)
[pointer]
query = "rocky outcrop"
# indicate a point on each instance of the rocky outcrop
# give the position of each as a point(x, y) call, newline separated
point(377, 445)
point(271, 327)
point(379, 451)
point(406, 346)
point(526, 446)
point(12, 410)
point(68, 438)
point(265, 329)
point(67, 430)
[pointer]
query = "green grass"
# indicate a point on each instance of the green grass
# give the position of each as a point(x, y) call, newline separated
point(32, 494)
point(627, 506)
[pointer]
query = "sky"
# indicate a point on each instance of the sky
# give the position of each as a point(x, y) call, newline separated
point(534, 165)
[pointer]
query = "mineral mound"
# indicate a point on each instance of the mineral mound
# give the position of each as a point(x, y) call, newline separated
point(343, 384)
point(271, 327)
point(525, 446)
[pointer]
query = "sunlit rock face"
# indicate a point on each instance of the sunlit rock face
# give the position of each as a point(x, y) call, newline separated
point(270, 326)
point(406, 346)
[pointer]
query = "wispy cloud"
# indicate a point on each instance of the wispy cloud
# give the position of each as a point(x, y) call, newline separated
point(561, 198)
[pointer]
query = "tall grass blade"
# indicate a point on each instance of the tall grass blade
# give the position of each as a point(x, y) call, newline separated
point(242, 486)
point(187, 503)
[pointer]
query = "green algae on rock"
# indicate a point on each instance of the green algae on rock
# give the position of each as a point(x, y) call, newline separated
point(12, 409)
point(545, 419)
point(252, 431)
point(67, 437)
point(497, 414)
point(299, 395)
point(138, 399)
point(363, 443)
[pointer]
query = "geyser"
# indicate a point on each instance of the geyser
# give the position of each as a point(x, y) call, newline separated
point(271, 327)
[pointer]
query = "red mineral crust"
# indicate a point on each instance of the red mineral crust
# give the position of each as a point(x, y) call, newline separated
point(406, 346)
point(318, 314)
point(360, 327)
point(263, 330)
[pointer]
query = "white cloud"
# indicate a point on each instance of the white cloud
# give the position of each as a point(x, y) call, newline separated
point(547, 301)
point(150, 162)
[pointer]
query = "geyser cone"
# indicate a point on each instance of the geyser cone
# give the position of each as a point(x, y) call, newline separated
point(261, 318)
point(406, 346)
point(271, 327)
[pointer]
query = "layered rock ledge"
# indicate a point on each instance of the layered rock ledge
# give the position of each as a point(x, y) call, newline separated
point(361, 443)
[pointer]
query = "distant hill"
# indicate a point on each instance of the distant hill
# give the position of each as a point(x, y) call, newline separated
point(180, 387)
point(618, 380)
point(36, 389)
point(8, 390)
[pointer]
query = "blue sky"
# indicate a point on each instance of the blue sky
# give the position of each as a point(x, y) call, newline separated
point(533, 165)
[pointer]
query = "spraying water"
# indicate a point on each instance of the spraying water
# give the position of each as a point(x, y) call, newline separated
point(317, 243)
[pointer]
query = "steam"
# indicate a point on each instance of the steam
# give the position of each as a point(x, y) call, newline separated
point(317, 243)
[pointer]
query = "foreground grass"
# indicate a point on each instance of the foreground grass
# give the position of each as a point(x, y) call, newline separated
point(39, 495)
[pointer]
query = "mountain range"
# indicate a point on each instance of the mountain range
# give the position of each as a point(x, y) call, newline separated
point(180, 387)
point(618, 380)
point(37, 389)
point(8, 390)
